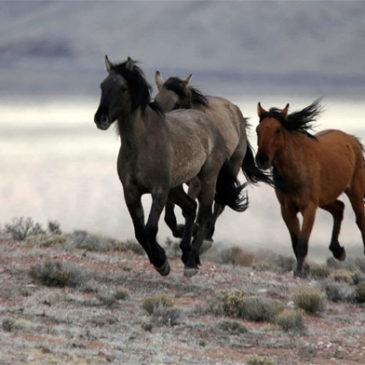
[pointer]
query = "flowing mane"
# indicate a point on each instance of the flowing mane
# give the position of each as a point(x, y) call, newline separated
point(300, 121)
point(178, 86)
point(139, 88)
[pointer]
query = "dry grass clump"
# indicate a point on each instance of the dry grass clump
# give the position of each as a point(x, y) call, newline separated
point(319, 271)
point(92, 242)
point(291, 321)
point(259, 360)
point(360, 292)
point(235, 304)
point(310, 299)
point(270, 261)
point(341, 275)
point(121, 294)
point(152, 302)
point(56, 274)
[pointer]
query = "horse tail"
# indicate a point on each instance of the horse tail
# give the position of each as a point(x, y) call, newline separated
point(252, 173)
point(228, 189)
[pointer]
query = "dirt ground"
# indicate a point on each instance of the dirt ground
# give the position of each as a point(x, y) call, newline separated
point(88, 323)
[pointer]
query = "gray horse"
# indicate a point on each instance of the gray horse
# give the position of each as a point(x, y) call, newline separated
point(175, 94)
point(158, 154)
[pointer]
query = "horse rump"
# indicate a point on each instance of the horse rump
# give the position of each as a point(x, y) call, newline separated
point(228, 189)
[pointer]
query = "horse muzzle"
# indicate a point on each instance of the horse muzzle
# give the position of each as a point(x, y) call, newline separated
point(263, 161)
point(102, 121)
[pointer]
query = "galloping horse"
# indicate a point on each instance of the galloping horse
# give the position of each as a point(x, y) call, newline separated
point(311, 171)
point(158, 154)
point(176, 93)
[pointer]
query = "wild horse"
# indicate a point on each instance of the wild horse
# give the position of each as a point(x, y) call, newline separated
point(176, 93)
point(158, 154)
point(311, 171)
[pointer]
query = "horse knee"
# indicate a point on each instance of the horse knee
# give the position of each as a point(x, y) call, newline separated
point(190, 210)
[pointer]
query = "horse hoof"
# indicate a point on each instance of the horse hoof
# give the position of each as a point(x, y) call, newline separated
point(164, 270)
point(299, 274)
point(343, 254)
point(340, 254)
point(190, 271)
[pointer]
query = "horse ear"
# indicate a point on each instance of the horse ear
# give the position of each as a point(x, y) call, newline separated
point(158, 80)
point(284, 112)
point(260, 110)
point(108, 64)
point(187, 80)
point(130, 64)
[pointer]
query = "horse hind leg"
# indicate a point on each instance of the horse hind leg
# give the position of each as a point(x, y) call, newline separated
point(356, 195)
point(336, 209)
point(188, 206)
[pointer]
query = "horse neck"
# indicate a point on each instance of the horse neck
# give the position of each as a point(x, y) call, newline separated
point(289, 160)
point(131, 127)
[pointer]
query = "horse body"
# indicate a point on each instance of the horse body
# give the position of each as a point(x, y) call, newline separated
point(176, 94)
point(310, 172)
point(158, 154)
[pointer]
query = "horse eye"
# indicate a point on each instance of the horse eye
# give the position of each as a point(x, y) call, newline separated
point(277, 131)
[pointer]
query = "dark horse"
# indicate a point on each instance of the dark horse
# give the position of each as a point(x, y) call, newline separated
point(158, 154)
point(311, 171)
point(176, 93)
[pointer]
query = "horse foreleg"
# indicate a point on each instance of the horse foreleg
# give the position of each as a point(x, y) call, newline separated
point(217, 211)
point(158, 255)
point(309, 214)
point(336, 209)
point(291, 220)
point(135, 209)
point(188, 206)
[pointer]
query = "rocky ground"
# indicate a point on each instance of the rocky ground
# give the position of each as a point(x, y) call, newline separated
point(84, 299)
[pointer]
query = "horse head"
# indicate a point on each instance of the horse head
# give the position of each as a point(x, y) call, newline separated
point(173, 94)
point(270, 138)
point(122, 91)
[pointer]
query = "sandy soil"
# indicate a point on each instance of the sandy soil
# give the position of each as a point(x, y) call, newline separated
point(87, 324)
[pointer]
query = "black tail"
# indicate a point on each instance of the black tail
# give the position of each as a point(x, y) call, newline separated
point(251, 171)
point(228, 189)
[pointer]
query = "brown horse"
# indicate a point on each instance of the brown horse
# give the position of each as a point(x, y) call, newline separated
point(158, 154)
point(311, 171)
point(176, 93)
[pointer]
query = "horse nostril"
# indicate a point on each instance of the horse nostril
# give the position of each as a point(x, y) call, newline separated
point(104, 119)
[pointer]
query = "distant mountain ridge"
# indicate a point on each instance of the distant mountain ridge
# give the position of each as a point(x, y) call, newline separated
point(58, 47)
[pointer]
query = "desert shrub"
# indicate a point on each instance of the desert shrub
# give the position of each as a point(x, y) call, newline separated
point(92, 242)
point(172, 248)
point(8, 324)
point(164, 316)
point(261, 309)
point(121, 294)
point(227, 303)
point(152, 302)
point(341, 275)
point(310, 299)
point(232, 327)
point(235, 304)
point(133, 246)
point(319, 271)
point(259, 360)
point(284, 264)
point(291, 321)
point(21, 228)
point(360, 292)
point(54, 227)
point(236, 256)
point(334, 264)
point(337, 291)
point(56, 274)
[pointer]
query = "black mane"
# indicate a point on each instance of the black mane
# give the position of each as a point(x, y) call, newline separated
point(139, 88)
point(178, 87)
point(298, 121)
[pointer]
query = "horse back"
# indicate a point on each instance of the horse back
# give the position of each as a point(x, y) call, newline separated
point(228, 119)
point(340, 156)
